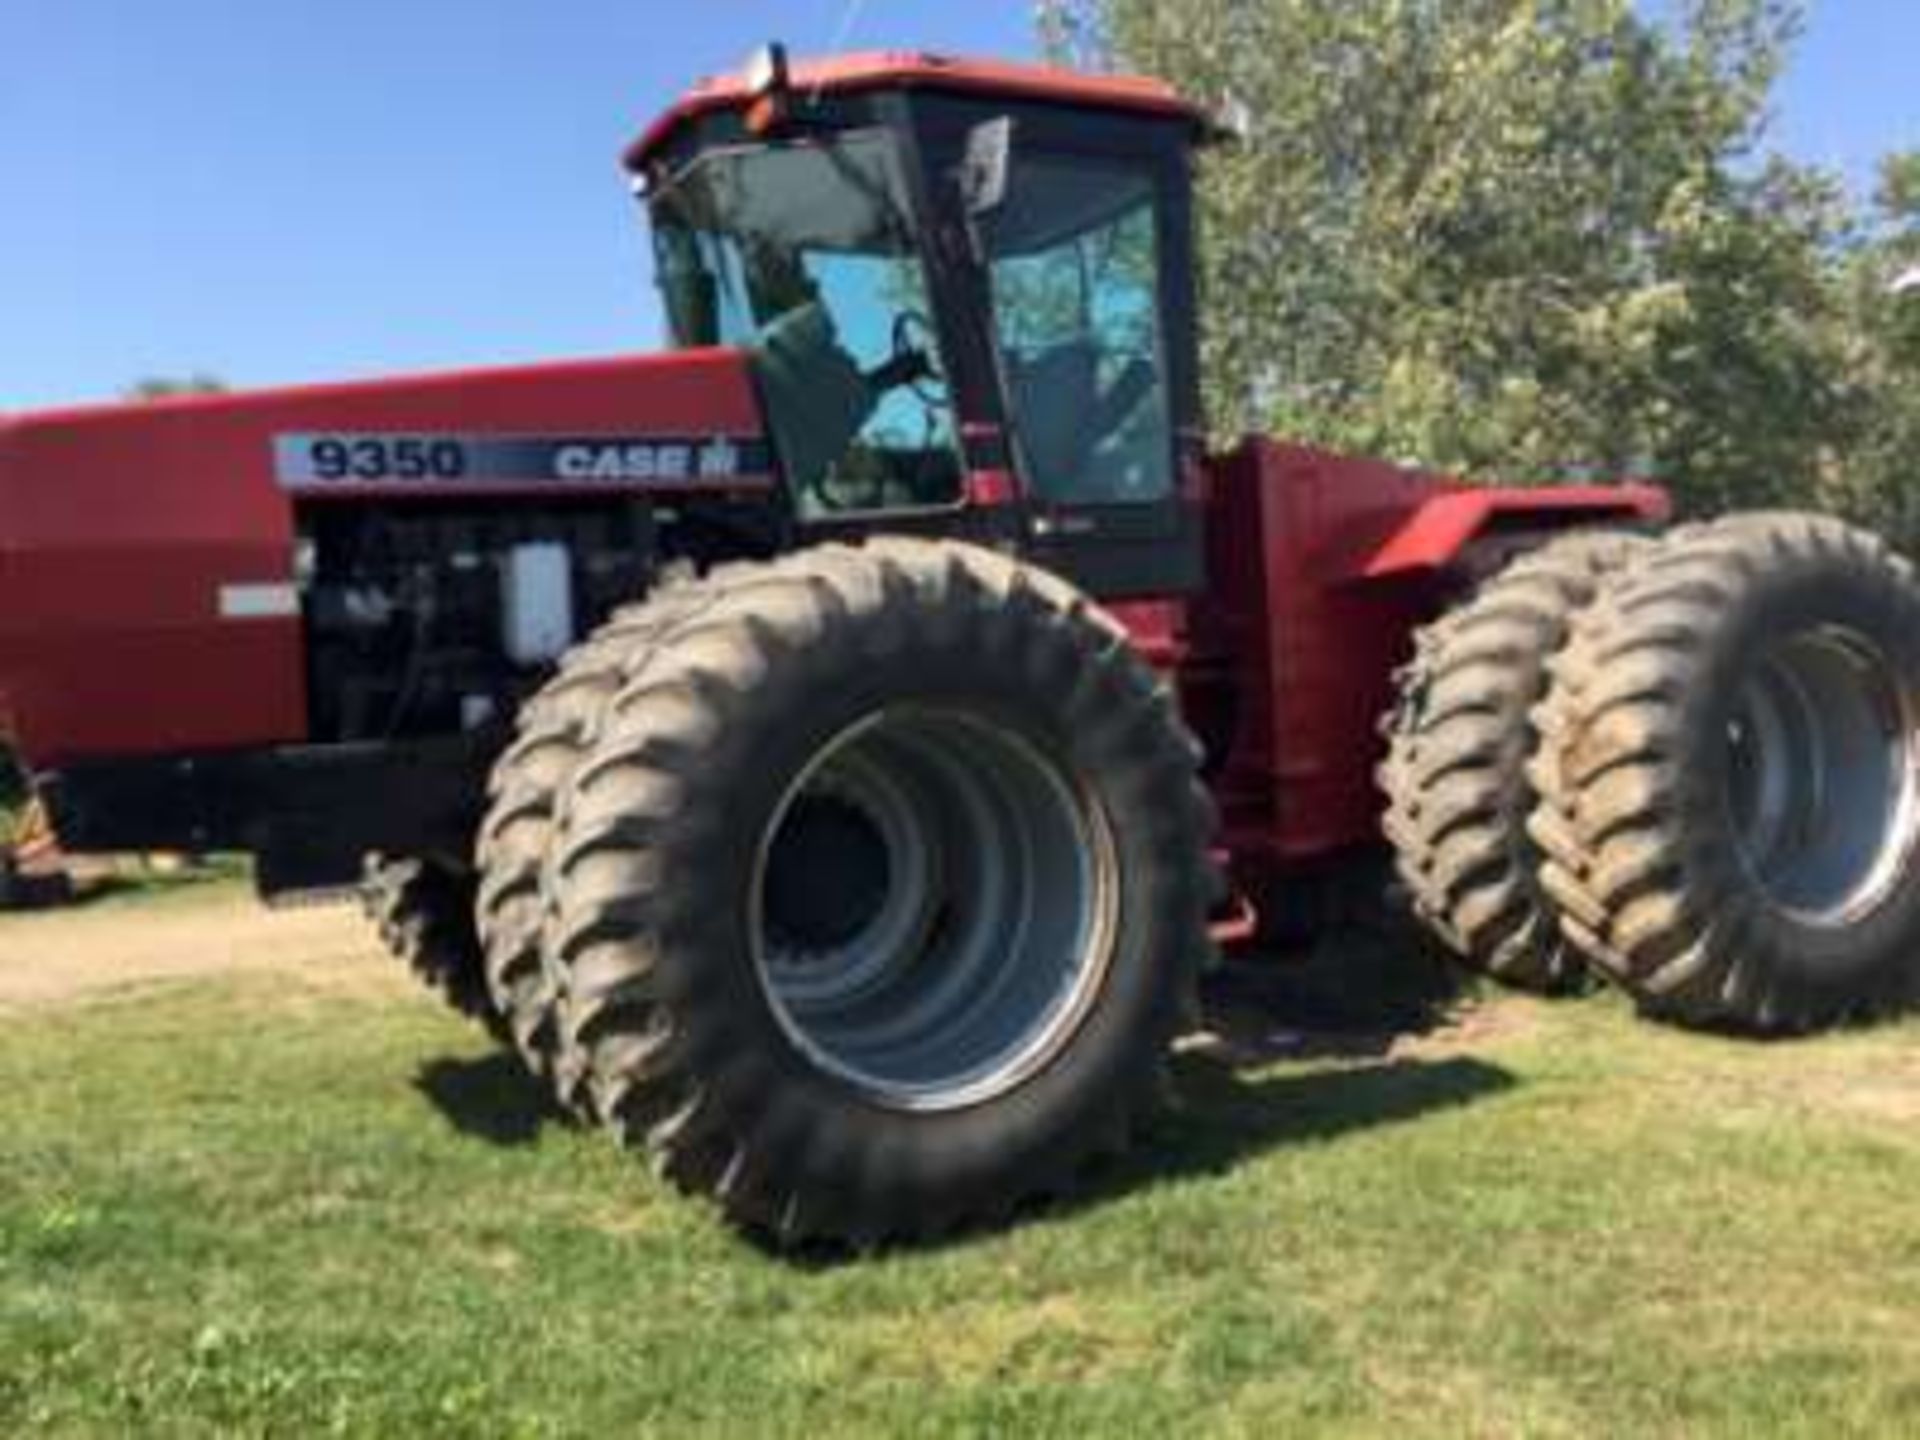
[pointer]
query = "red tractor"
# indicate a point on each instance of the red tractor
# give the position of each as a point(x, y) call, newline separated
point(831, 749)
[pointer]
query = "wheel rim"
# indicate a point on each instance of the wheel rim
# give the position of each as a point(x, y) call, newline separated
point(969, 960)
point(1823, 775)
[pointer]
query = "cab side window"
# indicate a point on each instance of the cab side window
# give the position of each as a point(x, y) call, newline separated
point(1075, 278)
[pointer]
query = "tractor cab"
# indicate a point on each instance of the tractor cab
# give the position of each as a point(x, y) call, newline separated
point(965, 291)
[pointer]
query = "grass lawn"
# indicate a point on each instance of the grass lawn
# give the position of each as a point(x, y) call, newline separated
point(131, 882)
point(264, 1203)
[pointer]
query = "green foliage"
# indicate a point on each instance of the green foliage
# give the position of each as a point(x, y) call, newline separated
point(1528, 239)
point(167, 387)
point(1879, 330)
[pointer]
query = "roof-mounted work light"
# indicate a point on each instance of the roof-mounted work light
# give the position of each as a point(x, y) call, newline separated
point(769, 87)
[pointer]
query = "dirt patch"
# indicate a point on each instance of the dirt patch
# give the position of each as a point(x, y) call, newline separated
point(1882, 1085)
point(73, 956)
point(1895, 1099)
point(1475, 1026)
point(1242, 1037)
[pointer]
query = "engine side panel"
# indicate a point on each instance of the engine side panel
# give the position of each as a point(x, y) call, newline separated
point(149, 599)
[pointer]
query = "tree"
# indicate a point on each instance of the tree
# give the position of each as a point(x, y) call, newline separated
point(1514, 238)
point(1871, 476)
point(166, 387)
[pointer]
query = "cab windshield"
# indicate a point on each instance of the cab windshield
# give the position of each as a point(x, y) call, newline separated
point(804, 255)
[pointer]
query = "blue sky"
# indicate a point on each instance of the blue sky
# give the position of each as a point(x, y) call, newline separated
point(282, 190)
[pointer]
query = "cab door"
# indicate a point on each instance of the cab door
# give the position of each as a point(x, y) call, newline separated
point(1092, 371)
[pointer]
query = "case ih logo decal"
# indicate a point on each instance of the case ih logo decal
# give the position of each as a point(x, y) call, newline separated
point(343, 461)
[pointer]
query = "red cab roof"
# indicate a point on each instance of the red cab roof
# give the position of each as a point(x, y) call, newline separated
point(906, 69)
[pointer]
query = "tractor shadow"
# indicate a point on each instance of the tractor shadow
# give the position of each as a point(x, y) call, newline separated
point(1293, 1051)
point(490, 1097)
point(1290, 1051)
point(1265, 1073)
point(1355, 1034)
point(1223, 1112)
point(1224, 1117)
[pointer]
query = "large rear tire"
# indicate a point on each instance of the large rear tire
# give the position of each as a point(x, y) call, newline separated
point(882, 892)
point(1730, 777)
point(423, 912)
point(1455, 775)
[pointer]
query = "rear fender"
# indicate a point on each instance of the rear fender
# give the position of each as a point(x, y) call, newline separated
point(1323, 569)
point(1440, 532)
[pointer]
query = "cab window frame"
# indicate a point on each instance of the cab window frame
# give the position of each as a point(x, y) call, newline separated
point(1163, 148)
point(887, 125)
point(1152, 198)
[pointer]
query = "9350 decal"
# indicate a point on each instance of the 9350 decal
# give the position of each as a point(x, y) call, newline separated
point(383, 458)
point(342, 461)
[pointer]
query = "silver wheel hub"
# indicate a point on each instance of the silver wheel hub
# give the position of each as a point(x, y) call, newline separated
point(1823, 775)
point(933, 908)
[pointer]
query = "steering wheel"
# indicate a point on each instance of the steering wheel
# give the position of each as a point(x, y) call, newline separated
point(914, 339)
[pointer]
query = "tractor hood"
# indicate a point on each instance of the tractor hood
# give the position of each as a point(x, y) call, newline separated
point(148, 595)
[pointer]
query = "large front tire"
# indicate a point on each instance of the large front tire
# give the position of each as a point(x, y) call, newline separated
point(882, 892)
point(553, 733)
point(1730, 777)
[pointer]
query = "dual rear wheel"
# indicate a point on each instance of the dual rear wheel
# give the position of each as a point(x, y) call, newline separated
point(1689, 766)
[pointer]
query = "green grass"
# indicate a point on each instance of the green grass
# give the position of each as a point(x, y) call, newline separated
point(264, 1208)
point(220, 878)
